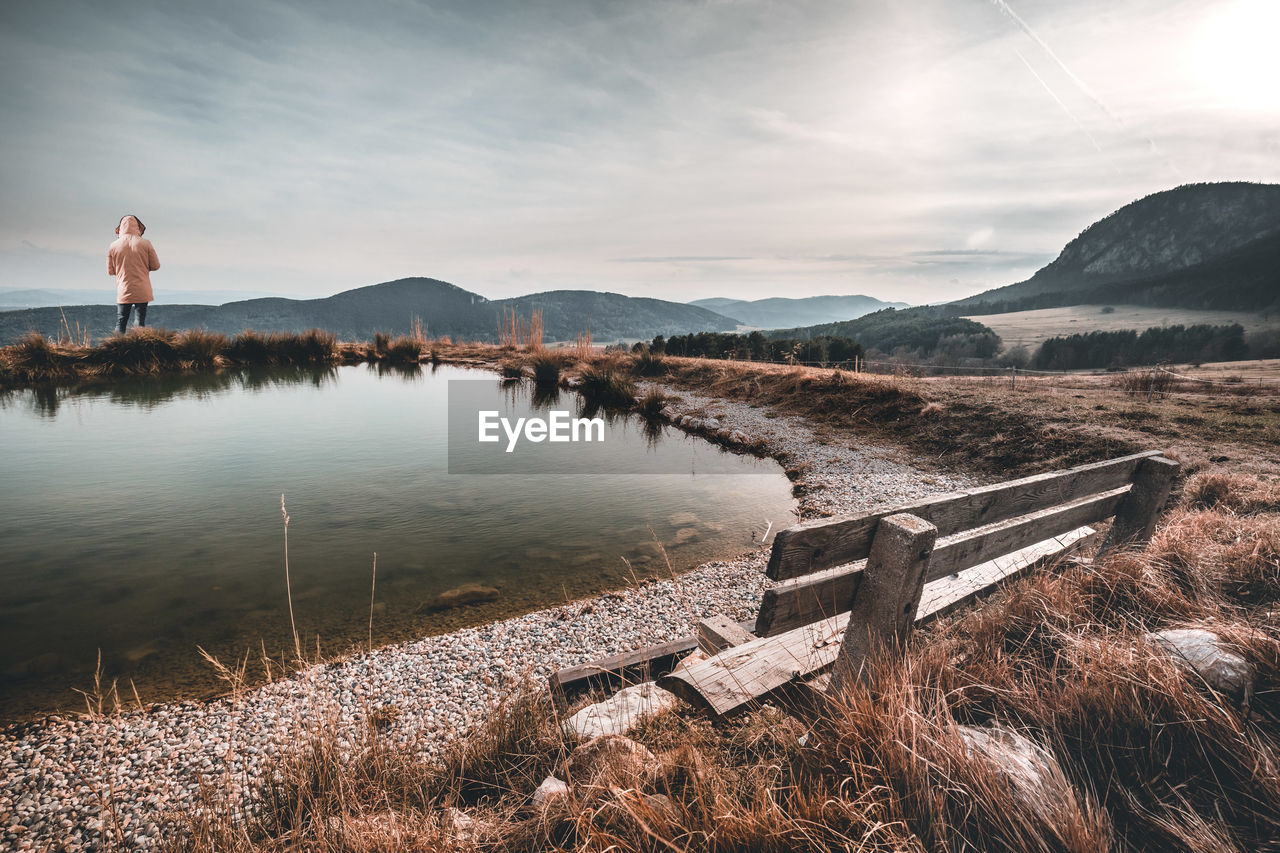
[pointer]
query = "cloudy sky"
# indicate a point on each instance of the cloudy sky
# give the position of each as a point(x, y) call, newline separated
point(914, 151)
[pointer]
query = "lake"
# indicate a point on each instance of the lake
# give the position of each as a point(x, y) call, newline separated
point(142, 518)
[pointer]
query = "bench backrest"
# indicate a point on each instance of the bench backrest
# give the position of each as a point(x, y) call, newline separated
point(821, 563)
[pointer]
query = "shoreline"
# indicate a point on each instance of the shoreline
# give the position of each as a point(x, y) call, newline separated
point(430, 690)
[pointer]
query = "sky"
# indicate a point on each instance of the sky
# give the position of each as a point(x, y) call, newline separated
point(913, 151)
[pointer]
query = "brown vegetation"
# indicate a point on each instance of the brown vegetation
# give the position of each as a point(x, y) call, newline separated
point(1151, 758)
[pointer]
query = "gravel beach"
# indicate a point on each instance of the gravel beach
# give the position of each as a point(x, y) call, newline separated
point(56, 776)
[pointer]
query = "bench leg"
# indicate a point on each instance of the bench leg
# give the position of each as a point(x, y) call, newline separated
point(884, 608)
point(1136, 516)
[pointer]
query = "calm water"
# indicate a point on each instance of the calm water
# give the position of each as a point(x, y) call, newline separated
point(143, 519)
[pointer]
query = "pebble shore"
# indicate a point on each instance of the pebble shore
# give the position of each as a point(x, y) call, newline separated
point(57, 777)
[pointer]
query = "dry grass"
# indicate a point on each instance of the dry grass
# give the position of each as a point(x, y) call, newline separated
point(1151, 759)
point(983, 425)
point(519, 333)
point(546, 368)
point(602, 384)
point(149, 351)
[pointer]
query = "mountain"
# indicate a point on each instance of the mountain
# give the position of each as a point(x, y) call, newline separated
point(12, 299)
point(1195, 246)
point(779, 312)
point(392, 307)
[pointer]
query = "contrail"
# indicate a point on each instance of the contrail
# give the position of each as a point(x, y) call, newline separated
point(1080, 84)
point(1059, 101)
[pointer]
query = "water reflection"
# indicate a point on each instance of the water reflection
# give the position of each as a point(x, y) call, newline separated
point(148, 392)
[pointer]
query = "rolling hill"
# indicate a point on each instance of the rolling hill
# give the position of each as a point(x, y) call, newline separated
point(1204, 246)
point(392, 307)
point(779, 312)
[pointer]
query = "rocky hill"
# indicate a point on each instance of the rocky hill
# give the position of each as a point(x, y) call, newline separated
point(1196, 246)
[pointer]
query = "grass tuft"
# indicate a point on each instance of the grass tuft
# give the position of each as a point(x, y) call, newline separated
point(603, 385)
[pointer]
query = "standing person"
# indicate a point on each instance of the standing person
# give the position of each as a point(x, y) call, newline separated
point(132, 259)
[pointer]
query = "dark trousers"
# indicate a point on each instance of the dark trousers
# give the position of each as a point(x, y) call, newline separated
point(124, 309)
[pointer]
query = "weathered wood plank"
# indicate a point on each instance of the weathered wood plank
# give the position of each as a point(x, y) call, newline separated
point(619, 670)
point(719, 632)
point(823, 594)
point(952, 592)
point(806, 599)
point(970, 549)
point(717, 684)
point(885, 607)
point(822, 544)
point(1136, 517)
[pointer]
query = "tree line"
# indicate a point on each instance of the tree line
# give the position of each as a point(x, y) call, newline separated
point(822, 349)
point(1127, 348)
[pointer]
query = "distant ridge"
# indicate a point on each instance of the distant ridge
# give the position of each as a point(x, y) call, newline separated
point(392, 307)
point(782, 312)
point(1207, 246)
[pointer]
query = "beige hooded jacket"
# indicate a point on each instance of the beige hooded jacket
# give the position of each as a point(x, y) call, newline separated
point(132, 259)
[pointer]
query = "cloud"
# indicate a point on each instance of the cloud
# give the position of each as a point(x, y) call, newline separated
point(747, 147)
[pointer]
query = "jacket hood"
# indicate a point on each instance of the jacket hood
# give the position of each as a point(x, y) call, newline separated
point(130, 226)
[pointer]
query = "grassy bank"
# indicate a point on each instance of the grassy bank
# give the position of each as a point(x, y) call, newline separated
point(984, 425)
point(38, 360)
point(1151, 758)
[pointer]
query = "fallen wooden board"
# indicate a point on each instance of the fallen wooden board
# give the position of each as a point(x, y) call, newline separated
point(743, 674)
point(622, 669)
point(822, 544)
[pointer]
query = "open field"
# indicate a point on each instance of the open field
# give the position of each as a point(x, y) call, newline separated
point(1031, 328)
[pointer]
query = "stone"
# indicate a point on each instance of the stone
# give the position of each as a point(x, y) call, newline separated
point(468, 829)
point(686, 534)
point(1203, 652)
point(1034, 775)
point(459, 596)
point(711, 423)
point(622, 712)
point(738, 437)
point(550, 793)
point(682, 519)
point(670, 413)
point(611, 760)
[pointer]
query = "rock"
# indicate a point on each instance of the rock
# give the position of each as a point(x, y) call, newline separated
point(739, 437)
point(1034, 775)
point(686, 534)
point(682, 519)
point(663, 807)
point(711, 423)
point(551, 792)
point(611, 760)
point(670, 413)
point(468, 829)
point(622, 712)
point(468, 593)
point(1202, 652)
point(695, 656)
point(693, 423)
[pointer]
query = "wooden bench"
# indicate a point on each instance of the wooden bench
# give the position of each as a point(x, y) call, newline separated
point(850, 582)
